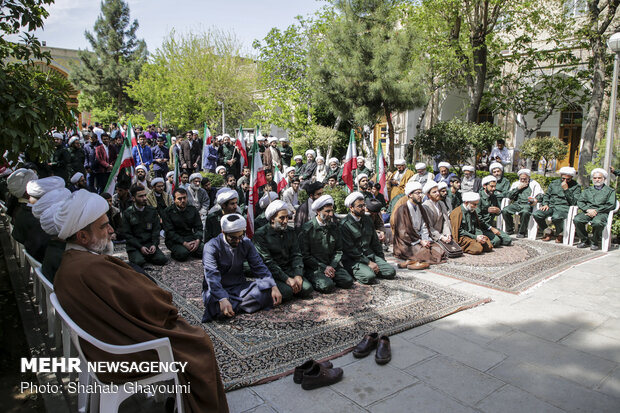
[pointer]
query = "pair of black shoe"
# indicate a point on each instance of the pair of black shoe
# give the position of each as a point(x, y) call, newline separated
point(372, 341)
point(312, 375)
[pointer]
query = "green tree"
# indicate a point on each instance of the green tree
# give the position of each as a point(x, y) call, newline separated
point(116, 59)
point(189, 74)
point(32, 102)
point(364, 67)
point(544, 147)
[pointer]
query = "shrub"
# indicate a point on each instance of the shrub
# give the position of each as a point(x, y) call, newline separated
point(544, 147)
point(217, 180)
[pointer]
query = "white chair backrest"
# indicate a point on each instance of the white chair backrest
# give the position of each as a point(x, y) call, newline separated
point(31, 260)
point(49, 287)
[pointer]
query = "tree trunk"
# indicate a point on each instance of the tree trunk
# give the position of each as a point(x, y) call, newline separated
point(388, 116)
point(330, 146)
point(476, 85)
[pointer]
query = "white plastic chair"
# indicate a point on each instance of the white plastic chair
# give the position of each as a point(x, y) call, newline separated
point(532, 226)
point(53, 327)
point(110, 402)
point(606, 238)
point(30, 269)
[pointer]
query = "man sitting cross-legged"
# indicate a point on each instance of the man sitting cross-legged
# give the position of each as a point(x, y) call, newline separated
point(437, 214)
point(228, 200)
point(321, 246)
point(488, 209)
point(363, 256)
point(278, 245)
point(524, 194)
point(467, 229)
point(183, 228)
point(412, 240)
point(225, 290)
point(141, 230)
point(557, 200)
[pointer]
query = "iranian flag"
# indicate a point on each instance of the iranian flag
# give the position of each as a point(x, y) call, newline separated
point(240, 145)
point(380, 170)
point(131, 134)
point(206, 140)
point(257, 179)
point(350, 162)
point(279, 178)
point(124, 160)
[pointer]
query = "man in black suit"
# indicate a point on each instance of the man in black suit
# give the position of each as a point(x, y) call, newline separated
point(190, 155)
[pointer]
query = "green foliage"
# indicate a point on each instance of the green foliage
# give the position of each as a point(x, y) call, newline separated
point(544, 181)
point(217, 180)
point(116, 59)
point(302, 195)
point(189, 74)
point(457, 141)
point(544, 147)
point(32, 103)
point(339, 195)
point(615, 224)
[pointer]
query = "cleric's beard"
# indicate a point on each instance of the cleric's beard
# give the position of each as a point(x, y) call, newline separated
point(102, 246)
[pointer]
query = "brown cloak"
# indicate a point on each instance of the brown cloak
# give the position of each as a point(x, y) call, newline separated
point(400, 189)
point(117, 305)
point(468, 244)
point(404, 235)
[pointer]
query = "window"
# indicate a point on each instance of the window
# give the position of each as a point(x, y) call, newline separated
point(539, 134)
point(485, 116)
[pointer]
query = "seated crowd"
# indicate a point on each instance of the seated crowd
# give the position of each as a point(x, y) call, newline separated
point(297, 247)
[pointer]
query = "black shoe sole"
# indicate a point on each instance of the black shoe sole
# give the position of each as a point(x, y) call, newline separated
point(383, 361)
point(362, 355)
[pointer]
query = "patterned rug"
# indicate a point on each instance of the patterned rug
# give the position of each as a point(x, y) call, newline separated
point(516, 268)
point(254, 348)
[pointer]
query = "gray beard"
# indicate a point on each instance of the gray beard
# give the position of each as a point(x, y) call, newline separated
point(102, 247)
point(279, 227)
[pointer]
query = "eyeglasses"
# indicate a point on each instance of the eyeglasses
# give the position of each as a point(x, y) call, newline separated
point(233, 238)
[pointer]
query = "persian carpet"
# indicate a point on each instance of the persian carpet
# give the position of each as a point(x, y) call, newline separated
point(516, 268)
point(254, 348)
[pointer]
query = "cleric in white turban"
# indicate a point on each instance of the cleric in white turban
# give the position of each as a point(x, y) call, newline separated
point(47, 200)
point(422, 175)
point(39, 187)
point(468, 230)
point(444, 174)
point(227, 200)
point(76, 177)
point(46, 208)
point(524, 194)
point(266, 199)
point(80, 211)
point(352, 197)
point(18, 180)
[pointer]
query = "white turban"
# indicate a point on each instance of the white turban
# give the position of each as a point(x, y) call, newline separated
point(141, 167)
point(79, 211)
point(321, 201)
point(219, 168)
point(361, 158)
point(488, 178)
point(412, 186)
point(192, 177)
point(310, 152)
point(320, 158)
point(289, 169)
point(50, 198)
point(157, 181)
point(495, 165)
point(272, 139)
point(568, 170)
point(471, 197)
point(39, 187)
point(173, 139)
point(359, 178)
point(428, 186)
point(275, 207)
point(524, 171)
point(420, 165)
point(76, 177)
point(261, 139)
point(225, 196)
point(441, 185)
point(169, 174)
point(18, 180)
point(469, 168)
point(283, 140)
point(443, 165)
point(226, 135)
point(332, 160)
point(72, 140)
point(352, 197)
point(296, 157)
point(47, 219)
point(599, 171)
point(57, 135)
point(195, 132)
point(219, 138)
point(400, 161)
point(233, 223)
point(266, 199)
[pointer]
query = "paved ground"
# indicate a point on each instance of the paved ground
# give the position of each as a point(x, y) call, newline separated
point(553, 349)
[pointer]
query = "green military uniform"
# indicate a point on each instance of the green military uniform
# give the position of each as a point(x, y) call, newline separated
point(488, 220)
point(360, 246)
point(393, 202)
point(226, 153)
point(334, 174)
point(281, 254)
point(559, 202)
point(77, 160)
point(456, 199)
point(603, 201)
point(299, 168)
point(141, 229)
point(362, 170)
point(260, 221)
point(53, 257)
point(286, 154)
point(60, 162)
point(502, 188)
point(521, 205)
point(182, 226)
point(321, 246)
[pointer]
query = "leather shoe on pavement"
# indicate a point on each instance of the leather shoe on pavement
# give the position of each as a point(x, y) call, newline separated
point(384, 353)
point(583, 245)
point(404, 264)
point(595, 247)
point(416, 265)
point(319, 376)
point(364, 347)
point(307, 366)
point(559, 239)
point(547, 237)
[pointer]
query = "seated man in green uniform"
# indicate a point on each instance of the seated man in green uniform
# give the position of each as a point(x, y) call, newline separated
point(278, 245)
point(595, 203)
point(455, 198)
point(228, 200)
point(488, 209)
point(467, 230)
point(524, 194)
point(321, 247)
point(361, 168)
point(362, 186)
point(560, 196)
point(363, 256)
point(141, 230)
point(503, 185)
point(183, 228)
